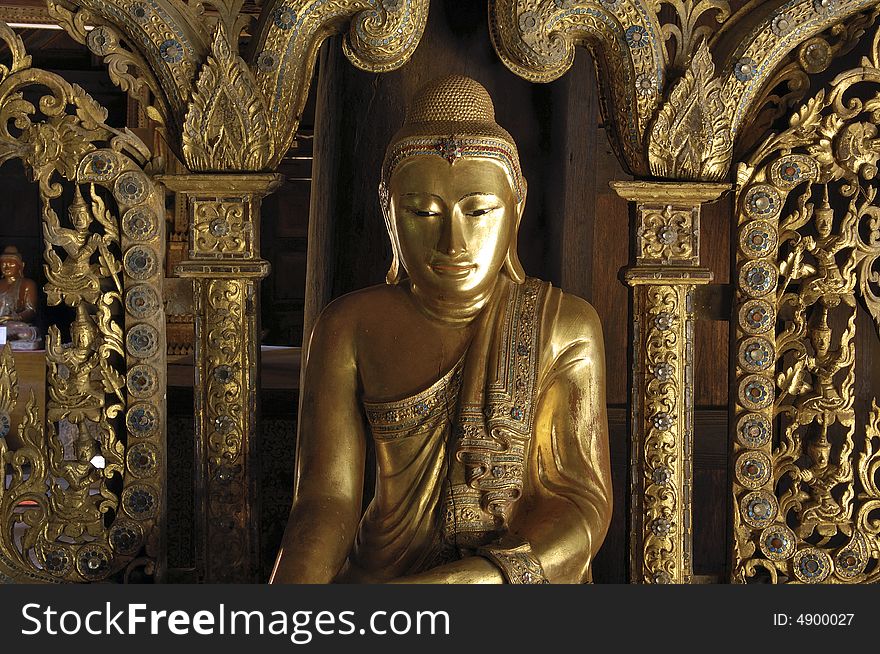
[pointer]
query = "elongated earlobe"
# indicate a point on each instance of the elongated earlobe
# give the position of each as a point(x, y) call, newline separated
point(393, 276)
point(512, 264)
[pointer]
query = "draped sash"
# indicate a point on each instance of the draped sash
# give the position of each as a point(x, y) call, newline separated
point(451, 458)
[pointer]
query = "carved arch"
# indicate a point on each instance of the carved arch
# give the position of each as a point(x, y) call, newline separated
point(537, 41)
point(677, 111)
point(190, 62)
point(382, 36)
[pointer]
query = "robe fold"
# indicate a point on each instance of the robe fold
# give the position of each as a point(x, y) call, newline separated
point(454, 459)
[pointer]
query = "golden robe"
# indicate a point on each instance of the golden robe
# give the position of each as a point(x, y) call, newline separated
point(454, 459)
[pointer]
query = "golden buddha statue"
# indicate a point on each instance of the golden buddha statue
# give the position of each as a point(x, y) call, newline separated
point(483, 391)
point(18, 301)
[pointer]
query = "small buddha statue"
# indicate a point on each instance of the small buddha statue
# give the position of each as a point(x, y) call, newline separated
point(18, 301)
point(482, 390)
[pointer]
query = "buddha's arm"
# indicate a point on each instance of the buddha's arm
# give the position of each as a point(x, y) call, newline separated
point(566, 505)
point(330, 460)
point(470, 570)
point(28, 308)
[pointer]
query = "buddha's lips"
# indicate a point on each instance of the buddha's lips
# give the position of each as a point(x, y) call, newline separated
point(453, 268)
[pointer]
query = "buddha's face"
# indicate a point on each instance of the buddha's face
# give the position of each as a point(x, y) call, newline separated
point(11, 267)
point(453, 224)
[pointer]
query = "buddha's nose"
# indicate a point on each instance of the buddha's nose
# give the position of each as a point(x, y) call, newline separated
point(452, 241)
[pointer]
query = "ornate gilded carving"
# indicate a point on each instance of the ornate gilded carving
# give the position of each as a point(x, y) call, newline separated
point(225, 267)
point(780, 30)
point(665, 464)
point(225, 112)
point(663, 279)
point(691, 28)
point(667, 234)
point(226, 127)
point(674, 113)
point(691, 137)
point(221, 228)
point(71, 510)
point(791, 82)
point(536, 39)
point(8, 390)
point(128, 69)
point(382, 36)
point(807, 215)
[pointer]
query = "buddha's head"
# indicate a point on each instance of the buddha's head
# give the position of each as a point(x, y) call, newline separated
point(11, 263)
point(453, 193)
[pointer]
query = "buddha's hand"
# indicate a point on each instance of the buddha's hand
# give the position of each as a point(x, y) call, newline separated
point(470, 570)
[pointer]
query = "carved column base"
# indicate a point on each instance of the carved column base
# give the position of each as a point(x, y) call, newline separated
point(666, 273)
point(225, 267)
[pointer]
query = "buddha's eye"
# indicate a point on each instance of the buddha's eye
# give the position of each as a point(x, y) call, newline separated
point(422, 213)
point(481, 211)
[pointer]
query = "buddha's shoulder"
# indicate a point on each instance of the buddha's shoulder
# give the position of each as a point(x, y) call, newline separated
point(361, 306)
point(571, 319)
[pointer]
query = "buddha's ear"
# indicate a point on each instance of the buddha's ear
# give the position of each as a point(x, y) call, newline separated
point(393, 275)
point(512, 263)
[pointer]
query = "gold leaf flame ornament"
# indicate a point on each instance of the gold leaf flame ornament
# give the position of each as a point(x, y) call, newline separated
point(226, 125)
point(691, 139)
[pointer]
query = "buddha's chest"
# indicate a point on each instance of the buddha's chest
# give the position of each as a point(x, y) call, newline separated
point(400, 360)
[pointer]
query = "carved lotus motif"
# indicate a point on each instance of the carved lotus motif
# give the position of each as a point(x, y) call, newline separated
point(858, 149)
point(50, 146)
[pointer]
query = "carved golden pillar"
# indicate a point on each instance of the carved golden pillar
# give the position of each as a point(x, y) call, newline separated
point(225, 266)
point(667, 269)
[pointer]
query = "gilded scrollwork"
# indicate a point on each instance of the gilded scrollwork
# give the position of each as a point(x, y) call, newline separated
point(667, 234)
point(226, 419)
point(679, 87)
point(8, 390)
point(224, 111)
point(666, 271)
point(807, 211)
point(225, 267)
point(790, 83)
point(63, 508)
point(664, 522)
point(220, 228)
point(780, 31)
point(127, 67)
